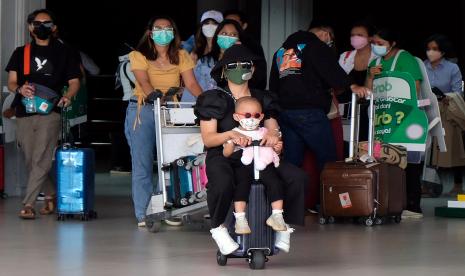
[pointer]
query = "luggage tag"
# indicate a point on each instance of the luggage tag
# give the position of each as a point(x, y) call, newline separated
point(345, 200)
point(367, 158)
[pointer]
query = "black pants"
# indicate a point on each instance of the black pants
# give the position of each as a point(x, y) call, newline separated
point(413, 175)
point(221, 188)
point(244, 176)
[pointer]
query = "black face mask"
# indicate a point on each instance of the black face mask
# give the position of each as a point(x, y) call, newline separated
point(42, 32)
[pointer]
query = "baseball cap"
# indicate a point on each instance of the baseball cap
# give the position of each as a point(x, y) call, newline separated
point(215, 15)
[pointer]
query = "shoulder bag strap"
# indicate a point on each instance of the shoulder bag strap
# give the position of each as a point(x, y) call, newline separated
point(27, 59)
point(394, 63)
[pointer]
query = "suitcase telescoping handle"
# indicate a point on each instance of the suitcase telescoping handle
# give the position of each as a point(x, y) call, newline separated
point(66, 142)
point(256, 154)
point(355, 126)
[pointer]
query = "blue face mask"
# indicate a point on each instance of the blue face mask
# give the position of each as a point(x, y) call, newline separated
point(379, 50)
point(162, 37)
point(225, 41)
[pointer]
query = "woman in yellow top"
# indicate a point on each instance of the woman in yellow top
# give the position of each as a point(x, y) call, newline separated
point(158, 64)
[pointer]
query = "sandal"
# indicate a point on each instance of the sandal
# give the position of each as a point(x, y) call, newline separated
point(27, 213)
point(49, 206)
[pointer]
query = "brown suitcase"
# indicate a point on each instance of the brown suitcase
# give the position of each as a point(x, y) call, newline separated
point(392, 197)
point(348, 190)
point(370, 191)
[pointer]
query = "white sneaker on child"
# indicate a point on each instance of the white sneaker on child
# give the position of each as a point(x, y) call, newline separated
point(283, 239)
point(242, 225)
point(223, 240)
point(276, 221)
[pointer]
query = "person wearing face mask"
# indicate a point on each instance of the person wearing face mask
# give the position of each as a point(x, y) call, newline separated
point(248, 40)
point(52, 65)
point(214, 109)
point(385, 44)
point(229, 33)
point(355, 63)
point(158, 64)
point(303, 74)
point(446, 77)
point(203, 46)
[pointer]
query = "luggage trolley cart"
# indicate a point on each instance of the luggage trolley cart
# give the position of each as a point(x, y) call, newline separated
point(177, 135)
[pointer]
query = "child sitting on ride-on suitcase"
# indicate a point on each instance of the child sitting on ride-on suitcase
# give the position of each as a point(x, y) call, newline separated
point(248, 112)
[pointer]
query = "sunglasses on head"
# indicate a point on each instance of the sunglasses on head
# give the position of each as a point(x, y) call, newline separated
point(250, 115)
point(244, 65)
point(156, 28)
point(48, 24)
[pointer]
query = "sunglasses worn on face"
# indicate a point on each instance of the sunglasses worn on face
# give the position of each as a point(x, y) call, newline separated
point(244, 65)
point(48, 24)
point(250, 115)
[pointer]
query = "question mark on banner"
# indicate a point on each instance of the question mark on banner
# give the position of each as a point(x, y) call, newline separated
point(400, 116)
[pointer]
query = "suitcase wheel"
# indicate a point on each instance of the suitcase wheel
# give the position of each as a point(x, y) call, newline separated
point(221, 259)
point(183, 201)
point(369, 222)
point(257, 259)
point(397, 219)
point(379, 221)
point(180, 162)
point(84, 217)
point(61, 217)
point(92, 214)
point(153, 226)
point(329, 220)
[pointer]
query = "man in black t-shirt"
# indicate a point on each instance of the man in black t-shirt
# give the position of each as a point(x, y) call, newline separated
point(52, 65)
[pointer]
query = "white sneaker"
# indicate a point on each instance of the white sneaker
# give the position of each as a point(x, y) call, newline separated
point(276, 221)
point(242, 225)
point(283, 239)
point(223, 240)
point(411, 215)
point(141, 224)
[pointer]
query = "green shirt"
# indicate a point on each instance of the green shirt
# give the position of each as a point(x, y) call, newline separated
point(405, 63)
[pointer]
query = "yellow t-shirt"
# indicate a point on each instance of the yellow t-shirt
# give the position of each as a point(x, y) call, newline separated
point(161, 79)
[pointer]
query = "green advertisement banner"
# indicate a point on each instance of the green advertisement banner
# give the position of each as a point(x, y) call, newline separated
point(398, 120)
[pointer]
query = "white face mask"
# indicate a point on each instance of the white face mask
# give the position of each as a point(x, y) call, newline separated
point(209, 30)
point(433, 55)
point(249, 123)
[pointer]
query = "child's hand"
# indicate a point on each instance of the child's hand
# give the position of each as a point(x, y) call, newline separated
point(278, 148)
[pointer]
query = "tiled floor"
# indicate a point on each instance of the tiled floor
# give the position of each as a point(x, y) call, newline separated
point(113, 245)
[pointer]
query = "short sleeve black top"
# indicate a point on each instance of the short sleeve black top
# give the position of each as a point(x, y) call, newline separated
point(220, 104)
point(52, 66)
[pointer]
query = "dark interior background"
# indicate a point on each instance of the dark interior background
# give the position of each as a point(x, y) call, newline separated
point(415, 21)
point(99, 28)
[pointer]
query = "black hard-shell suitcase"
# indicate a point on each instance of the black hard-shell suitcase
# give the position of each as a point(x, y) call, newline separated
point(258, 245)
